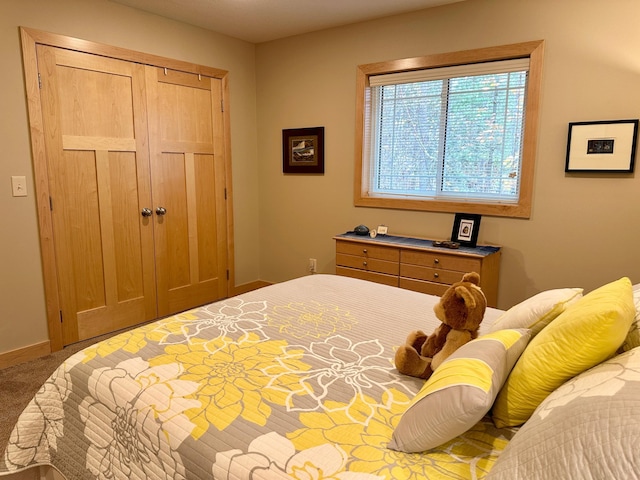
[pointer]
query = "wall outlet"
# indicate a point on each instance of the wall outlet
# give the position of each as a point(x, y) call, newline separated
point(312, 265)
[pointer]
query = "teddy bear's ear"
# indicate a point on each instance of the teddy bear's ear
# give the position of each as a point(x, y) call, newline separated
point(468, 299)
point(471, 277)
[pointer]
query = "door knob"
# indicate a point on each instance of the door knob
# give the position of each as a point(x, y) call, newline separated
point(146, 212)
point(161, 211)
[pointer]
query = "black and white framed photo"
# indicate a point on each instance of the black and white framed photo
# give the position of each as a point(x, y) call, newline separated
point(465, 229)
point(603, 146)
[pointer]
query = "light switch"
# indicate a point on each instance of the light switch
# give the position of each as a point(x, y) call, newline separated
point(19, 186)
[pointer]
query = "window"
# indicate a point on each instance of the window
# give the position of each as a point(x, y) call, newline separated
point(453, 132)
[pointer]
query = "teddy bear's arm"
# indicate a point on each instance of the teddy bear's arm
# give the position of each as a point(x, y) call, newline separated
point(416, 339)
point(435, 342)
point(455, 339)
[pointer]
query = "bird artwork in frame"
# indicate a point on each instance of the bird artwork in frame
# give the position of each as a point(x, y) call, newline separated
point(303, 150)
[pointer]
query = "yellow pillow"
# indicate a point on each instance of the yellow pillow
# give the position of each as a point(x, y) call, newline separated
point(588, 332)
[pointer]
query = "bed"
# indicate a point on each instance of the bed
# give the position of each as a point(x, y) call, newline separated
point(295, 380)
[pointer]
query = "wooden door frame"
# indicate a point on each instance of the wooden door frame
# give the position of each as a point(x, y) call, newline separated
point(30, 38)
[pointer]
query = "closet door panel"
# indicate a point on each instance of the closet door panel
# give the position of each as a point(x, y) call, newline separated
point(187, 171)
point(204, 174)
point(77, 205)
point(126, 230)
point(173, 229)
point(94, 117)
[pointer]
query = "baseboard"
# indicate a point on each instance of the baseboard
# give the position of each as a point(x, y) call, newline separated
point(248, 287)
point(24, 354)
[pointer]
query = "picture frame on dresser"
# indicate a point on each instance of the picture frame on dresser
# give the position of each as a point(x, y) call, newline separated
point(465, 229)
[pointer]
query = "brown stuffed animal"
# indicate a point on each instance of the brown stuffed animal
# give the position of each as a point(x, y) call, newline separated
point(461, 310)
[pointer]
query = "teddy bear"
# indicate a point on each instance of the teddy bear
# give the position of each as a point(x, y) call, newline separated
point(461, 310)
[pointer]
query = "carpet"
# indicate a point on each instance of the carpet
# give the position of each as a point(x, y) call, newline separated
point(19, 383)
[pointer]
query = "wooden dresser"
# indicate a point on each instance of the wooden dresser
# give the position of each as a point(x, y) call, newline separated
point(415, 264)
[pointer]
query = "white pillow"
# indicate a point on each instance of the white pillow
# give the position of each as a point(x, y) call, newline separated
point(538, 311)
point(460, 392)
point(633, 337)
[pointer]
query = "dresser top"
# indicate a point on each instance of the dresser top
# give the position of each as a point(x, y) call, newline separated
point(418, 243)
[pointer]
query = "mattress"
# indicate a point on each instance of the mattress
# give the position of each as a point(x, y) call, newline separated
point(295, 380)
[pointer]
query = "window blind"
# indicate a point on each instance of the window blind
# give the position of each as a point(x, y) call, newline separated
point(449, 132)
point(440, 73)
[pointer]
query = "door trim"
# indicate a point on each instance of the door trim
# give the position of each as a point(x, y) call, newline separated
point(30, 38)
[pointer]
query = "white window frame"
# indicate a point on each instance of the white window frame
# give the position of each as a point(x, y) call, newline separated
point(363, 162)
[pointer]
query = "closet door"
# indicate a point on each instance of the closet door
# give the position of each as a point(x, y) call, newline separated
point(96, 142)
point(188, 184)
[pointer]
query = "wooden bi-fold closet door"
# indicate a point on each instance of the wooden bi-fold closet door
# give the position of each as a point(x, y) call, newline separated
point(188, 184)
point(136, 188)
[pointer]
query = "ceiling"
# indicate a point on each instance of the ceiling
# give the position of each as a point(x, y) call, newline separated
point(259, 21)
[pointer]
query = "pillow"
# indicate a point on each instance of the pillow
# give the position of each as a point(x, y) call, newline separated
point(633, 337)
point(587, 428)
point(460, 392)
point(588, 332)
point(536, 312)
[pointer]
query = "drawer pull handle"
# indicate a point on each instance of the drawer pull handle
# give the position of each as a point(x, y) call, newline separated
point(364, 250)
point(436, 275)
point(436, 260)
point(364, 264)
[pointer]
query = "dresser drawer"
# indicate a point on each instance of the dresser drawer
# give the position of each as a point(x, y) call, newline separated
point(415, 264)
point(367, 263)
point(370, 276)
point(421, 286)
point(381, 252)
point(437, 275)
point(441, 260)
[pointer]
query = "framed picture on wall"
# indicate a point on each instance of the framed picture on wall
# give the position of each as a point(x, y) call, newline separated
point(604, 146)
point(465, 229)
point(303, 150)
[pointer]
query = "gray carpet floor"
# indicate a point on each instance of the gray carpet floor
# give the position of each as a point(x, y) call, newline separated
point(19, 383)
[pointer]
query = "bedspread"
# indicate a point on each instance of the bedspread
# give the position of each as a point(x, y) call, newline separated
point(295, 380)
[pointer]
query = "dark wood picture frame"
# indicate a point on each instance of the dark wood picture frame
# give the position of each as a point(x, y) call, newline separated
point(303, 150)
point(465, 229)
point(602, 146)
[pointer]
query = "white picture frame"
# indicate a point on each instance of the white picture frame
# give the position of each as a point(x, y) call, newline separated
point(603, 146)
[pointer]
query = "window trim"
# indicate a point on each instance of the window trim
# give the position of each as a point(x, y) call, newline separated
point(534, 50)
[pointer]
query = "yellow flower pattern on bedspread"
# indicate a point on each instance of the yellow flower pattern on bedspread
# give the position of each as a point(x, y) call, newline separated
point(268, 385)
point(231, 382)
point(310, 320)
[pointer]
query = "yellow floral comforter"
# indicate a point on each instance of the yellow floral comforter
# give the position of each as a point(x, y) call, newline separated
point(293, 381)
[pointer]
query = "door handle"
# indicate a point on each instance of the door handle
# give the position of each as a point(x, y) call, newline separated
point(146, 212)
point(161, 211)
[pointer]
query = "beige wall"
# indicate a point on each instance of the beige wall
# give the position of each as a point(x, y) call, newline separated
point(584, 230)
point(22, 311)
